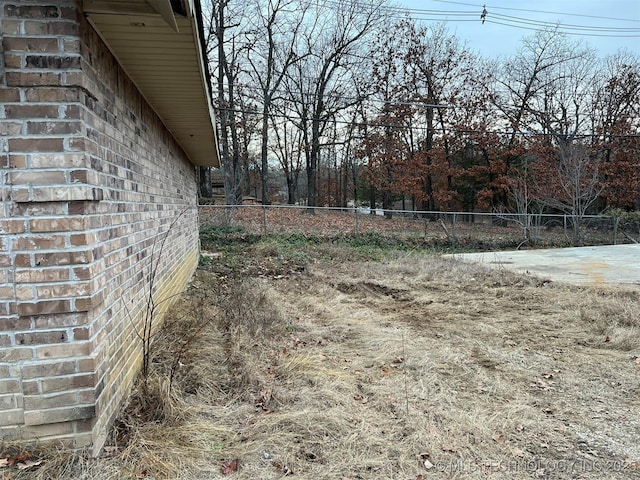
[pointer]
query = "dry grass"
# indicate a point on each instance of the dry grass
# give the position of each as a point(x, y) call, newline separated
point(617, 320)
point(365, 370)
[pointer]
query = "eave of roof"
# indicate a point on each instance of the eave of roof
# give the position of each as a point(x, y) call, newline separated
point(168, 66)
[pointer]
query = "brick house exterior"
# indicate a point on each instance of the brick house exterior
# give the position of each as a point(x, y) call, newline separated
point(94, 171)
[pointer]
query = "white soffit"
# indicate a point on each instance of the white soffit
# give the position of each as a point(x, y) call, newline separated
point(161, 51)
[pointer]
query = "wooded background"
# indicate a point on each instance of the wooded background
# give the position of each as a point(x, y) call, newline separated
point(327, 102)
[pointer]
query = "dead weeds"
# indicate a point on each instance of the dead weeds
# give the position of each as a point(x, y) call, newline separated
point(410, 368)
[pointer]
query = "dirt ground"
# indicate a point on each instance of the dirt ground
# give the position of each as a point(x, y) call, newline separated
point(407, 368)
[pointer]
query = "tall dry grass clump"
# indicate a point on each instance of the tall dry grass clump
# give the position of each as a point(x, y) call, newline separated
point(615, 315)
point(204, 360)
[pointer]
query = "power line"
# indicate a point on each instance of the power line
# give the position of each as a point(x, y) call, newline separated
point(402, 12)
point(564, 25)
point(351, 99)
point(536, 29)
point(507, 20)
point(421, 128)
point(519, 22)
point(541, 11)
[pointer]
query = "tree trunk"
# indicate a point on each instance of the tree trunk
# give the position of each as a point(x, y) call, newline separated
point(206, 190)
point(312, 167)
point(264, 164)
point(226, 161)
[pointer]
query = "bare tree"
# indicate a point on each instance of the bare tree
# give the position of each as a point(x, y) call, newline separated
point(545, 89)
point(274, 50)
point(319, 83)
point(384, 147)
point(249, 121)
point(569, 178)
point(288, 149)
point(522, 195)
point(570, 183)
point(521, 82)
point(225, 50)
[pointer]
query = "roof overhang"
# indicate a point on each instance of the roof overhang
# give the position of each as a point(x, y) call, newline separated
point(159, 44)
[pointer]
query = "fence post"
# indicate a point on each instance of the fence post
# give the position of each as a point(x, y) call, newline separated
point(227, 213)
point(453, 230)
point(357, 221)
point(616, 222)
point(264, 219)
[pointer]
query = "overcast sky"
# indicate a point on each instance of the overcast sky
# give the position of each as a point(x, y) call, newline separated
point(607, 25)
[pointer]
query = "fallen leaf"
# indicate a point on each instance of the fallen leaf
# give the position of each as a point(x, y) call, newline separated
point(22, 457)
point(449, 448)
point(398, 360)
point(19, 458)
point(420, 477)
point(426, 461)
point(4, 462)
point(28, 464)
point(498, 438)
point(384, 372)
point(607, 339)
point(517, 452)
point(542, 385)
point(637, 360)
point(228, 468)
point(265, 398)
point(286, 471)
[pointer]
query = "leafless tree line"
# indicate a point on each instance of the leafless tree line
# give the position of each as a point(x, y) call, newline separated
point(332, 94)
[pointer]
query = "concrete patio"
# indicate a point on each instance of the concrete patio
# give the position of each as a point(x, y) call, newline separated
point(597, 266)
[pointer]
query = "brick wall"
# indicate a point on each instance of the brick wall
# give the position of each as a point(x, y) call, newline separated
point(91, 181)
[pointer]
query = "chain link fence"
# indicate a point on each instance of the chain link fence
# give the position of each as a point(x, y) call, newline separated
point(490, 230)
